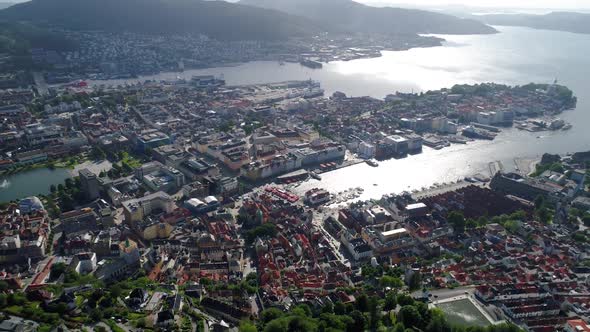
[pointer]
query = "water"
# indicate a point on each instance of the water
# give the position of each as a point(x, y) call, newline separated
point(514, 56)
point(31, 183)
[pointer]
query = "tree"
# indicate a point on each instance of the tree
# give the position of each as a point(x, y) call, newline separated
point(339, 308)
point(57, 269)
point(540, 202)
point(390, 301)
point(457, 219)
point(389, 281)
point(270, 314)
point(302, 324)
point(247, 326)
point(405, 299)
point(415, 281)
point(362, 303)
point(374, 312)
point(359, 322)
point(410, 316)
point(52, 189)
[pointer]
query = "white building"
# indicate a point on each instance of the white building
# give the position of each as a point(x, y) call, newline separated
point(367, 150)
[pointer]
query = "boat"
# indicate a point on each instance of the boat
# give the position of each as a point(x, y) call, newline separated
point(567, 126)
point(372, 162)
point(473, 132)
point(315, 176)
point(317, 196)
point(311, 64)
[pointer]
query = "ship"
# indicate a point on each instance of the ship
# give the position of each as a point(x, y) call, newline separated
point(317, 196)
point(313, 92)
point(315, 176)
point(472, 132)
point(372, 162)
point(311, 64)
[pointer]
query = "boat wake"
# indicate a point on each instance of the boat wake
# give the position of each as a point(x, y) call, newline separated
point(4, 184)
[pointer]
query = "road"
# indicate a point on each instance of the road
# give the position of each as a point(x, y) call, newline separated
point(42, 86)
point(444, 294)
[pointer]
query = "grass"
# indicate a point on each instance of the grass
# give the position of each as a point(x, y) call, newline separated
point(113, 326)
point(135, 316)
point(464, 313)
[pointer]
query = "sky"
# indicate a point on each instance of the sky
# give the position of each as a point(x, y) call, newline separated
point(533, 4)
point(500, 4)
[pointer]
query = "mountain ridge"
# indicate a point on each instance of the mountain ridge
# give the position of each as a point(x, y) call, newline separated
point(557, 21)
point(351, 17)
point(217, 19)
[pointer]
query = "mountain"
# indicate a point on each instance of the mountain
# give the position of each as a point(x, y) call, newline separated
point(350, 16)
point(561, 21)
point(217, 19)
point(5, 4)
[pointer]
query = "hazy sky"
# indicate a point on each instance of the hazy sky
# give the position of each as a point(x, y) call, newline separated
point(540, 4)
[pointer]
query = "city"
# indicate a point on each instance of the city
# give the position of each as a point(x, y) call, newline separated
point(197, 204)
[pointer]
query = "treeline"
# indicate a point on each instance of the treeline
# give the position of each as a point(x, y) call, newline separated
point(396, 313)
point(17, 38)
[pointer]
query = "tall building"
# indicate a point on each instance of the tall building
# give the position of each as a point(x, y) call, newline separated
point(90, 184)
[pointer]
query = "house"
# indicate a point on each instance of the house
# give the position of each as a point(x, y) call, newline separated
point(576, 325)
point(165, 318)
point(137, 298)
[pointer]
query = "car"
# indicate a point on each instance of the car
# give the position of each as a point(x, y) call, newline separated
point(466, 293)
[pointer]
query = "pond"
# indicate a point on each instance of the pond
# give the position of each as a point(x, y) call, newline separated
point(30, 183)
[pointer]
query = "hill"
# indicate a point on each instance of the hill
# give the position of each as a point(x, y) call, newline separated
point(350, 16)
point(217, 19)
point(560, 21)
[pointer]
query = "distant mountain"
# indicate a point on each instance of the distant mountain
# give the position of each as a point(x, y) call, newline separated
point(5, 4)
point(350, 16)
point(561, 21)
point(217, 19)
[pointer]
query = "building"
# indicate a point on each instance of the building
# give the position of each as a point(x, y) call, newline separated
point(151, 139)
point(136, 210)
point(85, 262)
point(358, 248)
point(31, 205)
point(158, 177)
point(269, 168)
point(90, 184)
point(311, 156)
point(42, 135)
point(196, 169)
point(79, 220)
point(576, 325)
point(367, 150)
point(530, 189)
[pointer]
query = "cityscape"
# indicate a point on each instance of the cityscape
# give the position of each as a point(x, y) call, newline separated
point(193, 203)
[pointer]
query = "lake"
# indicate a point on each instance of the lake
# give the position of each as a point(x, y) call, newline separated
point(513, 56)
point(31, 183)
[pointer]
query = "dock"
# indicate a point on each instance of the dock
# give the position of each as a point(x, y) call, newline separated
point(495, 167)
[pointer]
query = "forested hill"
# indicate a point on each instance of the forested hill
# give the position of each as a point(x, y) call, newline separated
point(217, 19)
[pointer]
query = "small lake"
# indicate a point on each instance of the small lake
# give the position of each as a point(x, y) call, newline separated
point(31, 183)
